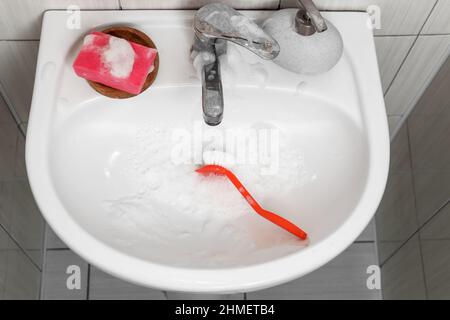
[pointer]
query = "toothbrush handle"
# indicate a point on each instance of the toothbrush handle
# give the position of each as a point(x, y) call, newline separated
point(273, 217)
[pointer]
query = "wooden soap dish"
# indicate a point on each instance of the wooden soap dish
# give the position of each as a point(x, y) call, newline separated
point(129, 34)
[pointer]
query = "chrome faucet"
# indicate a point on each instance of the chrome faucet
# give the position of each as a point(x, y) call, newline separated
point(214, 25)
point(308, 19)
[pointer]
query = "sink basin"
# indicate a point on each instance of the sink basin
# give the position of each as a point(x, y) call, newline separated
point(115, 178)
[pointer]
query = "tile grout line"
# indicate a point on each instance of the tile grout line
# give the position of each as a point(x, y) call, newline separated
point(88, 282)
point(44, 263)
point(414, 233)
point(9, 105)
point(424, 277)
point(20, 247)
point(411, 48)
point(411, 167)
point(58, 249)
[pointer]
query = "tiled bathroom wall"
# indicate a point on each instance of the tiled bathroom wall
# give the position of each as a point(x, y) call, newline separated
point(412, 43)
point(413, 222)
point(21, 226)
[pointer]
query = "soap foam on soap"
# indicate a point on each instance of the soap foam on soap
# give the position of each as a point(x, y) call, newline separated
point(119, 56)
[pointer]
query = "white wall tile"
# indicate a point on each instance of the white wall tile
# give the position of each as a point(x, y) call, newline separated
point(343, 278)
point(398, 17)
point(421, 65)
point(106, 287)
point(439, 21)
point(17, 69)
point(402, 275)
point(391, 51)
point(55, 276)
point(22, 19)
point(195, 4)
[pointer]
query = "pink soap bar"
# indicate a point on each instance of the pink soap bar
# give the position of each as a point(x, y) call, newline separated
point(114, 62)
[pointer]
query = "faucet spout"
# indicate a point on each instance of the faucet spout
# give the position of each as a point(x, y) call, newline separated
point(219, 21)
point(214, 25)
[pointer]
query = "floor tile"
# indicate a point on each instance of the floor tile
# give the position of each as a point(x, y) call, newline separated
point(436, 260)
point(396, 217)
point(8, 143)
point(343, 278)
point(394, 123)
point(52, 241)
point(369, 232)
point(193, 296)
point(20, 170)
point(402, 275)
point(27, 224)
point(5, 114)
point(438, 228)
point(400, 159)
point(105, 287)
point(62, 266)
point(6, 199)
point(432, 192)
point(5, 244)
point(23, 277)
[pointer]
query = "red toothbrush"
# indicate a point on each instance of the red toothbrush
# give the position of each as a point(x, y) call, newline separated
point(276, 219)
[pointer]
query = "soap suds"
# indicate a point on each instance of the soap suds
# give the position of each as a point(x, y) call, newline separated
point(201, 59)
point(119, 57)
point(181, 210)
point(88, 40)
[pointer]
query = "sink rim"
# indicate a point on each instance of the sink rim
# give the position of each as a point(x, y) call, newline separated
point(246, 278)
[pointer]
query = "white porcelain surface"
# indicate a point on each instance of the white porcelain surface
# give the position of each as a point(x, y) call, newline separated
point(84, 151)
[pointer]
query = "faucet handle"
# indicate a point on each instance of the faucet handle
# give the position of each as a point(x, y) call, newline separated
point(220, 21)
point(308, 19)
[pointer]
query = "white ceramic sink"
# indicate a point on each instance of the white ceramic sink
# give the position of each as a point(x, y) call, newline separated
point(104, 176)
